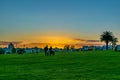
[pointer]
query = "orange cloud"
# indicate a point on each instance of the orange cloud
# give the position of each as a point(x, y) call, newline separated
point(54, 41)
point(87, 40)
point(6, 42)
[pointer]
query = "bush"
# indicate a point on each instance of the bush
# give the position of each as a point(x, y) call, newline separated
point(21, 51)
point(1, 51)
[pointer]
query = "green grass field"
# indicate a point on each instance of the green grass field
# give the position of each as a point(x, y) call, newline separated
point(90, 65)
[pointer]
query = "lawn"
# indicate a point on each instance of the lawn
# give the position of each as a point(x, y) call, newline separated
point(89, 65)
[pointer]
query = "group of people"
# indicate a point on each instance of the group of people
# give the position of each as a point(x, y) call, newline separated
point(48, 51)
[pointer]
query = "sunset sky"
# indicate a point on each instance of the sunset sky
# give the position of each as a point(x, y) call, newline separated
point(57, 22)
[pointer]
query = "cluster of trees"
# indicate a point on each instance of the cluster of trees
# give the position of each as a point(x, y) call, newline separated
point(68, 47)
point(108, 37)
point(1, 51)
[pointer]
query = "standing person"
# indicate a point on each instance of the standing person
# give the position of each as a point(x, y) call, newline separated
point(46, 50)
point(50, 49)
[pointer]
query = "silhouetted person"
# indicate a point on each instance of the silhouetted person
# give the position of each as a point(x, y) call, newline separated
point(46, 50)
point(51, 51)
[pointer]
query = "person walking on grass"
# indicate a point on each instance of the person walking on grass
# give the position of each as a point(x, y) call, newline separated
point(51, 51)
point(46, 50)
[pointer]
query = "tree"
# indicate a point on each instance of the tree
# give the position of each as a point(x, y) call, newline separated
point(36, 49)
point(67, 47)
point(13, 50)
point(21, 51)
point(72, 47)
point(106, 37)
point(114, 41)
point(1, 51)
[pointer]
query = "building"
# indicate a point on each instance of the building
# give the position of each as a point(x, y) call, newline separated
point(9, 49)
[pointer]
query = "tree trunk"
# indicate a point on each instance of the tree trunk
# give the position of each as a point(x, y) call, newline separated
point(106, 45)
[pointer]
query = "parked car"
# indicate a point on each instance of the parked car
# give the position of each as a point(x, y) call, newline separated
point(84, 48)
point(98, 48)
point(91, 48)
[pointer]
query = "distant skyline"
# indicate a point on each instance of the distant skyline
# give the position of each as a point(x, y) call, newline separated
point(35, 22)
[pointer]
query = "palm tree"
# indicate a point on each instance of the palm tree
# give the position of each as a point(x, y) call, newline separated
point(114, 41)
point(107, 37)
